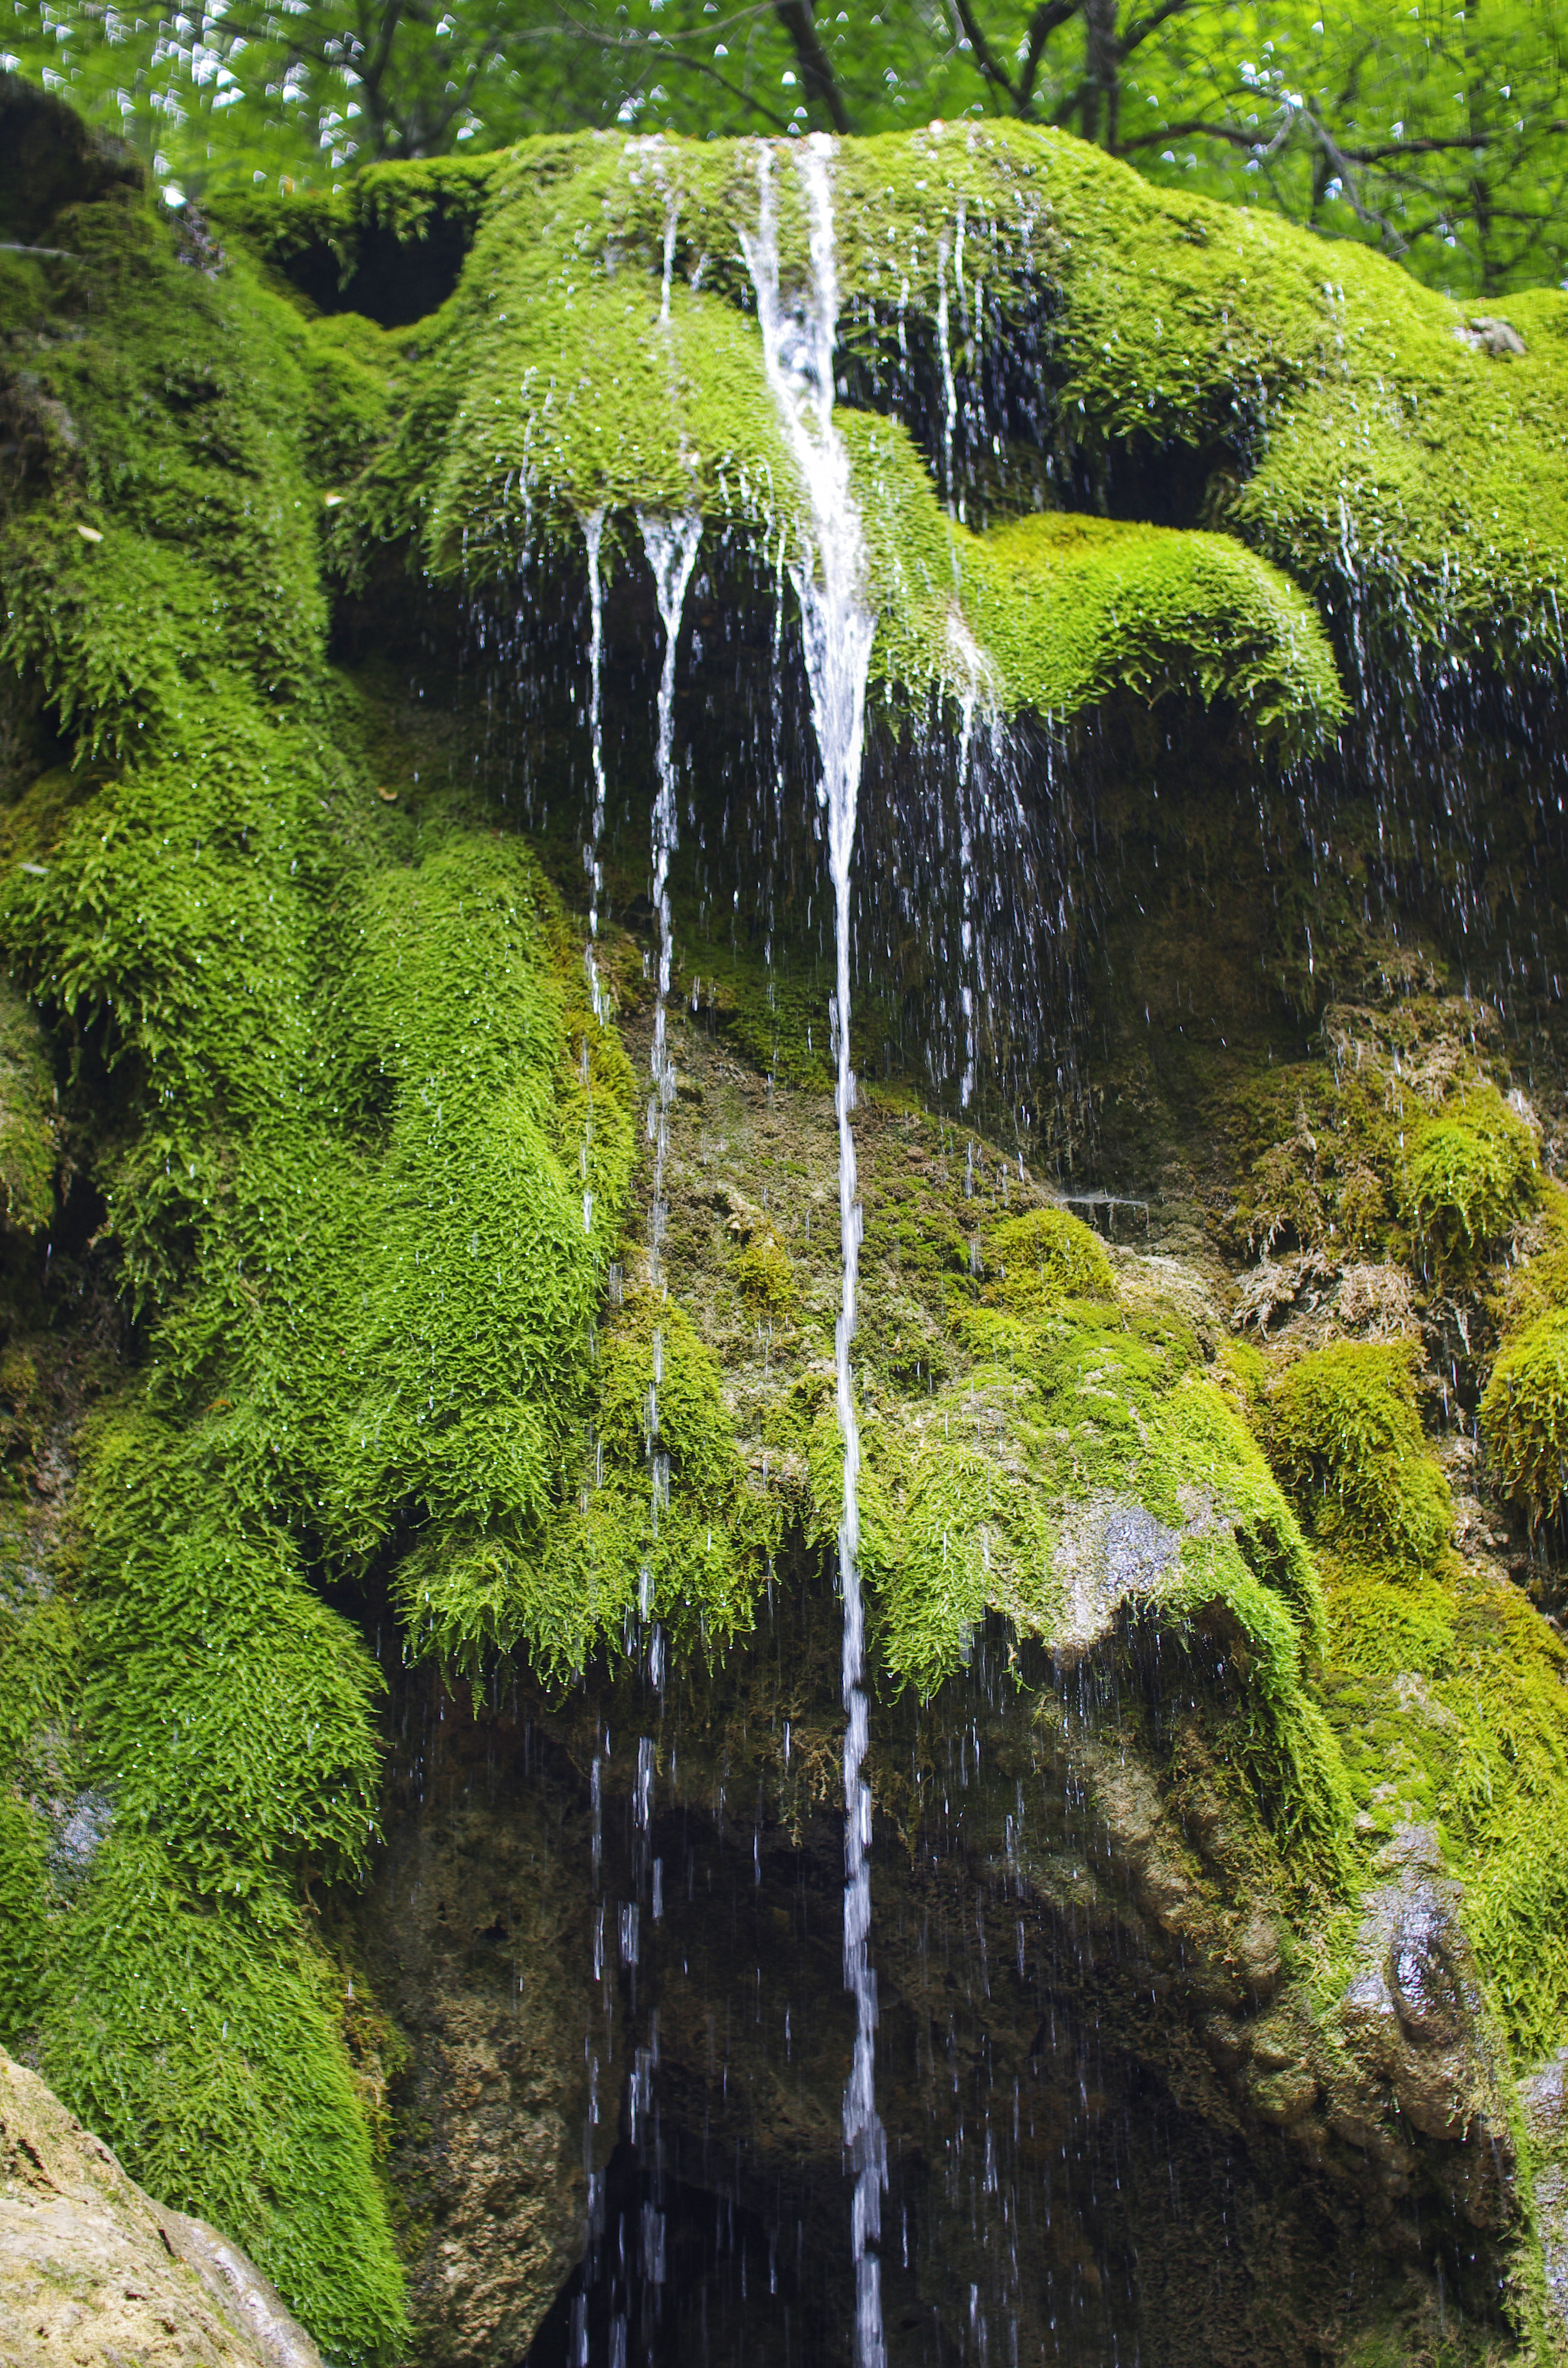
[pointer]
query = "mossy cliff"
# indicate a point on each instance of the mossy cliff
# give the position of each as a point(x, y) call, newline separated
point(332, 1350)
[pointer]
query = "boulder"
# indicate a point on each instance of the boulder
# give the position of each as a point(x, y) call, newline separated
point(95, 2274)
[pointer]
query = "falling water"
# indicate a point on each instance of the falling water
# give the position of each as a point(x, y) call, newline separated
point(838, 626)
point(671, 545)
point(593, 535)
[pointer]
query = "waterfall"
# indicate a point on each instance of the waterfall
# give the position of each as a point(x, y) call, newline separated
point(838, 627)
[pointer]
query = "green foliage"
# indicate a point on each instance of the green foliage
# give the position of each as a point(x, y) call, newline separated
point(1524, 1407)
point(764, 1275)
point(680, 1534)
point(1471, 1172)
point(671, 407)
point(652, 1524)
point(1043, 1257)
point(1524, 1416)
point(1433, 136)
point(1380, 477)
point(1321, 1148)
point(1069, 606)
point(197, 2036)
point(1345, 1436)
point(1394, 1147)
point(1538, 1283)
point(29, 1126)
point(366, 1154)
point(1449, 1699)
point(1084, 1465)
point(229, 1710)
point(24, 1845)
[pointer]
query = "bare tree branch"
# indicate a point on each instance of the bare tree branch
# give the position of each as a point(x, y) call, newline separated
point(1045, 21)
point(1142, 27)
point(986, 61)
point(663, 50)
point(816, 67)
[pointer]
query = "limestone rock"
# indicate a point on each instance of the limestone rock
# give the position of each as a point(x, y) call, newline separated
point(480, 1928)
point(1413, 2020)
point(95, 2274)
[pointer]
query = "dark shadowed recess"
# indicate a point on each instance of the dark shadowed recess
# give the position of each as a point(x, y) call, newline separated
point(1062, 2167)
point(49, 157)
point(393, 278)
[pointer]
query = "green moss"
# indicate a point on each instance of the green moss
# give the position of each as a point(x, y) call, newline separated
point(649, 1525)
point(1368, 436)
point(1043, 1257)
point(29, 1139)
point(1524, 1407)
point(175, 399)
point(1538, 1283)
point(24, 1852)
point(365, 1154)
point(1068, 608)
point(1344, 1434)
point(628, 404)
point(228, 1709)
point(1470, 1173)
point(196, 2036)
point(1449, 1697)
point(1321, 1153)
point(1524, 1416)
point(764, 1275)
point(1084, 1470)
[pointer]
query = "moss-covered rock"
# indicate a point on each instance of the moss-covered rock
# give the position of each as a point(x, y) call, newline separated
point(1364, 431)
point(1343, 1433)
point(1524, 1415)
point(1471, 1174)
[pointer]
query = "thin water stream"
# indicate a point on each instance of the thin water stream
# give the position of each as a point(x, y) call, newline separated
point(838, 627)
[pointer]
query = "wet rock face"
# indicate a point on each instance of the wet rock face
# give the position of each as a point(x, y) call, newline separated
point(93, 2272)
point(1106, 2100)
point(1543, 2100)
point(1412, 2018)
point(1423, 1976)
point(480, 1937)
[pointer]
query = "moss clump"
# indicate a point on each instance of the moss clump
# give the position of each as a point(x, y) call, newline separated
point(657, 1522)
point(636, 397)
point(365, 1152)
point(230, 1711)
point(197, 2036)
point(1084, 1467)
point(1042, 1258)
point(763, 1276)
point(1524, 1416)
point(29, 1132)
point(1394, 1145)
point(1470, 1173)
point(1070, 607)
point(1344, 1434)
point(1537, 1283)
point(1365, 435)
point(24, 1859)
point(1448, 1695)
point(1524, 1407)
point(1321, 1153)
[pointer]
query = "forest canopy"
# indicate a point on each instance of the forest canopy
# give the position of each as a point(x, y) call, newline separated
point(1438, 134)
